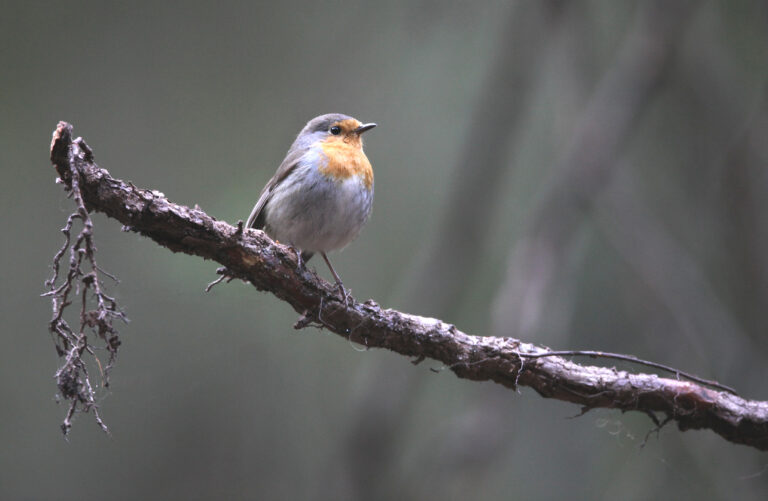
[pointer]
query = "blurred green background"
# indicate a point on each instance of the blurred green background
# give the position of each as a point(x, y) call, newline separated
point(585, 175)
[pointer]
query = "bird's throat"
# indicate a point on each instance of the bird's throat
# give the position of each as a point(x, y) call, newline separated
point(345, 159)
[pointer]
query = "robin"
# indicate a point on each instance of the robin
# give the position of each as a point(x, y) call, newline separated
point(321, 195)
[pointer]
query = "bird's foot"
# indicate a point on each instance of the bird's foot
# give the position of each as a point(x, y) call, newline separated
point(299, 259)
point(343, 294)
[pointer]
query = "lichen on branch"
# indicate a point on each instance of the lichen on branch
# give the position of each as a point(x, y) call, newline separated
point(82, 277)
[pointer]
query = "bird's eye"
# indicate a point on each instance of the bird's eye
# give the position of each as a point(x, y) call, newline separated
point(335, 130)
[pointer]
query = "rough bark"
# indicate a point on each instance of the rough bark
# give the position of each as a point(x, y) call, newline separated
point(250, 255)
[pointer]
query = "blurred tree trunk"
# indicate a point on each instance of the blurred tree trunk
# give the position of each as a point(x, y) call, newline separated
point(537, 261)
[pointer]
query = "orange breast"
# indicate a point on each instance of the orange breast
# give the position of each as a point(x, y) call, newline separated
point(346, 159)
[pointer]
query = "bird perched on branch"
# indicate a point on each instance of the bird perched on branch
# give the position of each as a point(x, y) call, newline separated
point(321, 195)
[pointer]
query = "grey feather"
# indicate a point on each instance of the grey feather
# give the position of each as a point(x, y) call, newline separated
point(315, 129)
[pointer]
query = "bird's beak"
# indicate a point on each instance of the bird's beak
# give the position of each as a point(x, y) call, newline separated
point(364, 128)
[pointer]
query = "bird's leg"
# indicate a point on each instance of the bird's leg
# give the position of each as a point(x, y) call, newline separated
point(299, 260)
point(342, 290)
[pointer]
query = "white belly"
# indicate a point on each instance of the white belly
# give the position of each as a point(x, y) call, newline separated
point(316, 214)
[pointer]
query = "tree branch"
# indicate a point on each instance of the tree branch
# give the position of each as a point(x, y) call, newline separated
point(250, 255)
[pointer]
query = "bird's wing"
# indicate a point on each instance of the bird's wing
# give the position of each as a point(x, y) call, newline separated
point(288, 165)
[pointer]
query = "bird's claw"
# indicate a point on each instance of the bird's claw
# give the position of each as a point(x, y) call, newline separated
point(344, 295)
point(299, 260)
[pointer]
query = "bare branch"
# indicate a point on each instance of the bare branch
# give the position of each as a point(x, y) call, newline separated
point(252, 256)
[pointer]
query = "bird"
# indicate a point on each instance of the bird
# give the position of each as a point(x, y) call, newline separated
point(321, 195)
